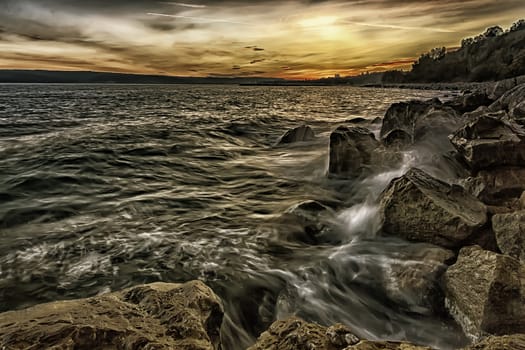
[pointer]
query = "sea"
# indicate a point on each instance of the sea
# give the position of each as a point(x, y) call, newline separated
point(103, 187)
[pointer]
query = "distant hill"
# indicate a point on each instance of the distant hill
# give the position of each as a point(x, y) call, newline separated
point(44, 76)
point(493, 55)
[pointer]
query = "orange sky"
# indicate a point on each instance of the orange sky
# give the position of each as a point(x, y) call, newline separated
point(289, 39)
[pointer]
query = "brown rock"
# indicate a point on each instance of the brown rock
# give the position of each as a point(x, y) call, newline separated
point(295, 333)
point(421, 208)
point(385, 345)
point(153, 316)
point(485, 293)
point(505, 342)
point(510, 233)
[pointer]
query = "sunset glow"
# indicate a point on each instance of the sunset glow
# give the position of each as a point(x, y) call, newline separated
point(292, 39)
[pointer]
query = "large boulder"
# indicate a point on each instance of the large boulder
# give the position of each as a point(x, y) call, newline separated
point(351, 151)
point(421, 208)
point(153, 316)
point(510, 233)
point(504, 342)
point(485, 293)
point(488, 141)
point(298, 134)
point(496, 186)
point(295, 333)
point(406, 123)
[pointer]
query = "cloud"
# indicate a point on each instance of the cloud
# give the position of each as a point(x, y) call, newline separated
point(257, 61)
point(182, 4)
point(204, 19)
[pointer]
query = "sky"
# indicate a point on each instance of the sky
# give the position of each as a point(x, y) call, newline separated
point(289, 39)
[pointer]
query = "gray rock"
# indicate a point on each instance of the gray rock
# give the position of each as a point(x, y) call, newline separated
point(153, 316)
point(485, 293)
point(522, 201)
point(406, 123)
point(351, 151)
point(505, 342)
point(298, 134)
point(488, 141)
point(470, 101)
point(421, 208)
point(510, 233)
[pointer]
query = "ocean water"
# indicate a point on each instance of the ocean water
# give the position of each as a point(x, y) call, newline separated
point(108, 186)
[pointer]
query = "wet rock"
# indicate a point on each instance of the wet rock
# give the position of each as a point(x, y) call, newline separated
point(406, 123)
point(496, 186)
point(510, 233)
point(152, 316)
point(298, 134)
point(295, 333)
point(485, 293)
point(308, 222)
point(421, 208)
point(351, 151)
point(505, 342)
point(414, 283)
point(488, 142)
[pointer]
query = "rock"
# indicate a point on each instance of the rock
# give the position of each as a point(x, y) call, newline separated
point(308, 222)
point(487, 142)
point(152, 316)
point(510, 233)
point(501, 87)
point(421, 208)
point(406, 123)
point(470, 101)
point(415, 283)
point(505, 342)
point(485, 293)
point(385, 345)
point(351, 150)
point(298, 134)
point(522, 200)
point(295, 333)
point(496, 186)
point(512, 101)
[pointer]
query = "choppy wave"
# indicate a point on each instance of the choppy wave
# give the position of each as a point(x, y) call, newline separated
point(103, 187)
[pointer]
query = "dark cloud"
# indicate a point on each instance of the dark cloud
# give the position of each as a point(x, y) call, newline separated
point(257, 61)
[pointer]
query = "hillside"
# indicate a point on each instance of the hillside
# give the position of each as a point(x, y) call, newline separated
point(493, 55)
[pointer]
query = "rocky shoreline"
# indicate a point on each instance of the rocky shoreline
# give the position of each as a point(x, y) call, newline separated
point(473, 270)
